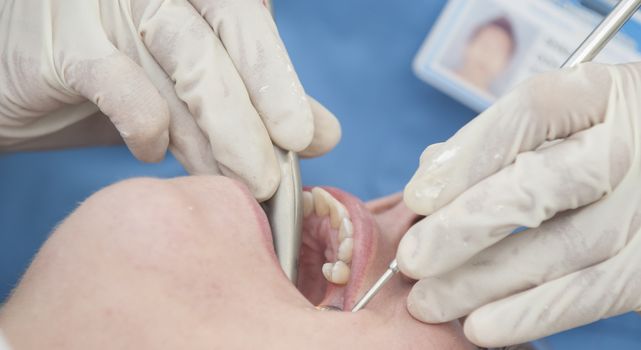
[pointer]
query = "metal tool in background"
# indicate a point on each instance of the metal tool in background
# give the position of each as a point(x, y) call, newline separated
point(588, 49)
point(285, 209)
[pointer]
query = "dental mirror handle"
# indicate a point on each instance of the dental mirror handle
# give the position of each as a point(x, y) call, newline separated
point(588, 49)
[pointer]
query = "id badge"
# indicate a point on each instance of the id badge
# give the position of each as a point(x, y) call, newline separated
point(480, 49)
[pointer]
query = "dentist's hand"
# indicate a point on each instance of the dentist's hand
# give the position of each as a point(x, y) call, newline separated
point(208, 78)
point(580, 194)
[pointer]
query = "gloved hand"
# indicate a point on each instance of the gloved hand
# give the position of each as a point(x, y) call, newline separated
point(209, 78)
point(561, 154)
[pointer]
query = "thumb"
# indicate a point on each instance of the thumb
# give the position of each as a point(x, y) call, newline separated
point(327, 131)
point(122, 91)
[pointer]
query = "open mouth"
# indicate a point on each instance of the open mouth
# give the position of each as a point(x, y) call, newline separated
point(339, 243)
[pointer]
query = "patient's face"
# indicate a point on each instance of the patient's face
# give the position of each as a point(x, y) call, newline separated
point(486, 56)
point(196, 269)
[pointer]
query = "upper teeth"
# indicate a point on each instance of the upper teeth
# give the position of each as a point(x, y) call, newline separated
point(308, 203)
point(346, 230)
point(322, 203)
point(337, 213)
point(321, 199)
point(345, 250)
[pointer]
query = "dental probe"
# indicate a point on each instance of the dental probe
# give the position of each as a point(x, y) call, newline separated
point(285, 209)
point(588, 49)
point(392, 269)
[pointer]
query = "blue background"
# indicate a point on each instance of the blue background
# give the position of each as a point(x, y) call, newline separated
point(354, 56)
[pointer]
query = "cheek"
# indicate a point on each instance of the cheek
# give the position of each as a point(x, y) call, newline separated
point(502, 56)
point(406, 332)
point(498, 63)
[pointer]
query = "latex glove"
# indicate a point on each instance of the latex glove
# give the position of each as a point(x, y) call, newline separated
point(209, 78)
point(582, 193)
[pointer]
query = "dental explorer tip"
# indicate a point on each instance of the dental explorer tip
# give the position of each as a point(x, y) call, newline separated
point(392, 269)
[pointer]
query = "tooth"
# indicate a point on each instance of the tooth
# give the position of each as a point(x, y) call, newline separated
point(337, 273)
point(346, 230)
point(308, 203)
point(337, 213)
point(327, 271)
point(345, 250)
point(320, 201)
point(340, 273)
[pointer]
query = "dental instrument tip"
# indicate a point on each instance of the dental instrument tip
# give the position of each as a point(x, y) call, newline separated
point(392, 269)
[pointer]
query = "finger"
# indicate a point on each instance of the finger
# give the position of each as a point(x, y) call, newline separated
point(559, 247)
point(188, 143)
point(570, 174)
point(249, 35)
point(548, 107)
point(327, 131)
point(185, 46)
point(601, 291)
point(122, 91)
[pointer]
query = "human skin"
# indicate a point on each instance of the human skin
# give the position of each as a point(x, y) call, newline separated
point(486, 56)
point(188, 263)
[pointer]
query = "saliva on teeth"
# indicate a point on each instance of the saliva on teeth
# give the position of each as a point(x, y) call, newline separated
point(322, 203)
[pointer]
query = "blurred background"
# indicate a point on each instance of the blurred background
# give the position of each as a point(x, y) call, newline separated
point(355, 57)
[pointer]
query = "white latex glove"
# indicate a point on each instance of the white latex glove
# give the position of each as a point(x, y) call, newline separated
point(581, 260)
point(209, 78)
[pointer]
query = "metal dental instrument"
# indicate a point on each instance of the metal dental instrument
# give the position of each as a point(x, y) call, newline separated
point(285, 213)
point(588, 49)
point(602, 34)
point(392, 269)
point(285, 209)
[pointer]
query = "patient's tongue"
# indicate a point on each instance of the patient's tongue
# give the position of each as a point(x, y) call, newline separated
point(339, 241)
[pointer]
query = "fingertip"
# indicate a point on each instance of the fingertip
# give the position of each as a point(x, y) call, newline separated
point(290, 127)
point(123, 92)
point(262, 184)
point(471, 331)
point(265, 189)
point(494, 325)
point(482, 331)
point(327, 131)
point(419, 197)
point(266, 182)
point(430, 152)
point(148, 149)
point(147, 136)
point(424, 305)
point(428, 190)
point(406, 256)
point(248, 34)
point(423, 253)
